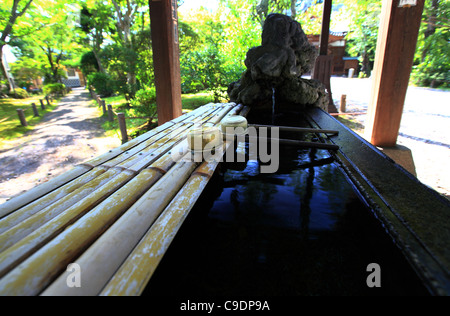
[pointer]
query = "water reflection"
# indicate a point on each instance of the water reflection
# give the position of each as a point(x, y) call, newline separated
point(300, 231)
point(308, 194)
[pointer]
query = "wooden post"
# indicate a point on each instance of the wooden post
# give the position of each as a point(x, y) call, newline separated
point(110, 113)
point(166, 59)
point(35, 110)
point(324, 62)
point(123, 127)
point(48, 101)
point(397, 39)
point(42, 104)
point(103, 102)
point(325, 32)
point(22, 118)
point(343, 103)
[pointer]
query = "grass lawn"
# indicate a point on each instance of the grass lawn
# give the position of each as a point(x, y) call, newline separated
point(136, 126)
point(10, 126)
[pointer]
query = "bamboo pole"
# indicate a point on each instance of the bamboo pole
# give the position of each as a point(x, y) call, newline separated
point(116, 152)
point(41, 190)
point(43, 238)
point(245, 111)
point(48, 200)
point(57, 182)
point(22, 118)
point(158, 148)
point(134, 274)
point(83, 191)
point(156, 141)
point(57, 224)
point(297, 129)
point(298, 143)
point(108, 251)
point(33, 222)
point(142, 138)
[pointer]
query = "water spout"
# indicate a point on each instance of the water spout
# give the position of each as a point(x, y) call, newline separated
point(273, 106)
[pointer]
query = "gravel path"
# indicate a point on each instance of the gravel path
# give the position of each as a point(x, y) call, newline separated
point(424, 129)
point(69, 135)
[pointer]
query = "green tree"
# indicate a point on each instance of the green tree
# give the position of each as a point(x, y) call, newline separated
point(432, 66)
point(25, 70)
point(54, 42)
point(364, 17)
point(96, 22)
point(11, 12)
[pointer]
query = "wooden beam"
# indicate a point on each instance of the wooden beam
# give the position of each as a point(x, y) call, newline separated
point(166, 59)
point(325, 32)
point(397, 39)
point(323, 65)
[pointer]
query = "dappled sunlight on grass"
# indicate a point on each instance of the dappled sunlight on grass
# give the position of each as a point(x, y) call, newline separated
point(119, 103)
point(10, 126)
point(195, 100)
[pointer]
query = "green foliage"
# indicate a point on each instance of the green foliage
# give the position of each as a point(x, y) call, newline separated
point(88, 63)
point(102, 83)
point(18, 93)
point(145, 102)
point(213, 47)
point(432, 66)
point(434, 70)
point(54, 88)
point(364, 17)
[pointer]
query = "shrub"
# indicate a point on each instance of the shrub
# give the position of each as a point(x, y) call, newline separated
point(145, 101)
point(18, 93)
point(55, 88)
point(103, 84)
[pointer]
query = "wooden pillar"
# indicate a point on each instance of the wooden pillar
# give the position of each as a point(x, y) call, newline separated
point(35, 110)
point(324, 62)
point(110, 113)
point(325, 32)
point(166, 59)
point(122, 127)
point(397, 39)
point(22, 118)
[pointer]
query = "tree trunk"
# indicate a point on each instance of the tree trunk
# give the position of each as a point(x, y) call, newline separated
point(99, 63)
point(124, 23)
point(262, 10)
point(431, 27)
point(293, 9)
point(4, 72)
point(365, 67)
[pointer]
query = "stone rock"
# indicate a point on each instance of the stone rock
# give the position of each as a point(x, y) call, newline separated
point(277, 65)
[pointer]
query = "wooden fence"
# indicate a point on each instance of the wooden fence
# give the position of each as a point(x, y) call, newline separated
point(21, 112)
point(111, 114)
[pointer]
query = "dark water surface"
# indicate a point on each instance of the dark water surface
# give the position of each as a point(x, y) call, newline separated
point(301, 231)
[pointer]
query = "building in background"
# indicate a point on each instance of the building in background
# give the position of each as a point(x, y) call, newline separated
point(336, 47)
point(74, 78)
